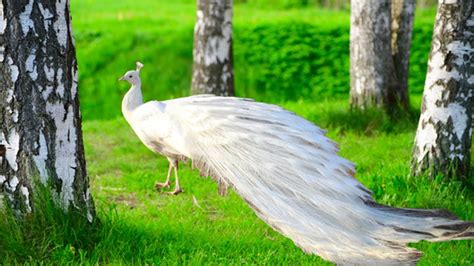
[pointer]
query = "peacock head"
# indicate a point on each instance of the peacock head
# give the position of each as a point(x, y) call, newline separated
point(133, 76)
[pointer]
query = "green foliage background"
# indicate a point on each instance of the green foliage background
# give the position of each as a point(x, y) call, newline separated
point(280, 54)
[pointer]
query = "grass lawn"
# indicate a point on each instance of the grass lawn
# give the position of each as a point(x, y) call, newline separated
point(140, 225)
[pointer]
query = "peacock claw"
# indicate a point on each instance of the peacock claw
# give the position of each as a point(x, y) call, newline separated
point(175, 192)
point(159, 186)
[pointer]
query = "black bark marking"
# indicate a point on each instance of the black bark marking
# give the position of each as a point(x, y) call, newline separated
point(3, 151)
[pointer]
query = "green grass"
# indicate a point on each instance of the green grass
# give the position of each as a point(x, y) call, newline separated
point(139, 225)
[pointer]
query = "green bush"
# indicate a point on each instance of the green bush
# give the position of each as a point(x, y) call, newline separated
point(419, 54)
point(291, 61)
point(279, 62)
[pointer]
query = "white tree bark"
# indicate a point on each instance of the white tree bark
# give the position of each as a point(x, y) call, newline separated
point(213, 59)
point(403, 12)
point(373, 81)
point(443, 137)
point(40, 123)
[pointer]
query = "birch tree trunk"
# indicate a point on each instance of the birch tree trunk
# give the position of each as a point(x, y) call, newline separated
point(443, 137)
point(40, 130)
point(373, 79)
point(402, 26)
point(213, 59)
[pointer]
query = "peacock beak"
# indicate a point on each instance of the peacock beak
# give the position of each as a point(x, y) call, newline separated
point(121, 78)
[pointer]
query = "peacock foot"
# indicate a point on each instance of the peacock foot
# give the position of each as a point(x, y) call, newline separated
point(176, 191)
point(159, 186)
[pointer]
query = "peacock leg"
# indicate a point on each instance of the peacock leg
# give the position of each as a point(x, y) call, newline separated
point(177, 188)
point(159, 185)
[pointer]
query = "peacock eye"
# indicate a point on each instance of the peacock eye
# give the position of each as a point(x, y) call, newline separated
point(130, 76)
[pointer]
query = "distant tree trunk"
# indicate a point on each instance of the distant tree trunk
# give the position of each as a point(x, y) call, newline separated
point(40, 130)
point(213, 70)
point(373, 78)
point(427, 3)
point(443, 137)
point(402, 26)
point(422, 3)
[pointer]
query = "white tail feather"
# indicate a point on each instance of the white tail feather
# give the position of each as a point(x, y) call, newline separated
point(291, 175)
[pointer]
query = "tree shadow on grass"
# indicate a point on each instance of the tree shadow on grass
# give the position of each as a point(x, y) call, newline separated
point(53, 236)
point(127, 242)
point(366, 122)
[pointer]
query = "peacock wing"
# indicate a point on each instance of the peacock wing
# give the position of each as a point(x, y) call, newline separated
point(289, 173)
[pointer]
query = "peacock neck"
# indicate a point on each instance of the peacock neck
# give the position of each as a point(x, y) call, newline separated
point(132, 100)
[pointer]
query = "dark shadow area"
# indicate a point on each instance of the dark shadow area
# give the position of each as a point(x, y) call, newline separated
point(367, 122)
point(36, 235)
point(53, 236)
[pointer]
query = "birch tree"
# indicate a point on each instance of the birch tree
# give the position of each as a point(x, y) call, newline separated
point(40, 130)
point(371, 61)
point(212, 55)
point(403, 12)
point(443, 137)
point(380, 40)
